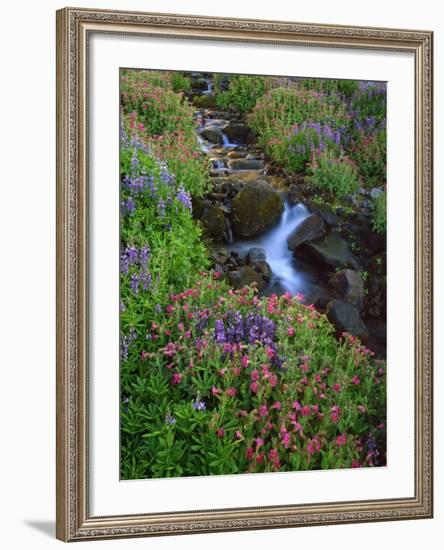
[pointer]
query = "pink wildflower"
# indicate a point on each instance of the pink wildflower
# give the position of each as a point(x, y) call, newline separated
point(259, 443)
point(336, 387)
point(215, 391)
point(341, 440)
point(290, 331)
point(277, 405)
point(250, 453)
point(356, 380)
point(245, 360)
point(254, 375)
point(263, 410)
point(231, 391)
point(254, 387)
point(220, 432)
point(306, 410)
point(176, 378)
point(334, 414)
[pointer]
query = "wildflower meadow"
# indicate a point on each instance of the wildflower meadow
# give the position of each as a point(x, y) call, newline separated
point(252, 274)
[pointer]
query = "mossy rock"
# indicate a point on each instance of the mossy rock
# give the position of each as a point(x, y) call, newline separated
point(204, 101)
point(256, 208)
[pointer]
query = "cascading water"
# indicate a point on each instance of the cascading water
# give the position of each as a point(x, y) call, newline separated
point(285, 276)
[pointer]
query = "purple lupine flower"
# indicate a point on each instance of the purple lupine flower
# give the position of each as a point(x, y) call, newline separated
point(144, 256)
point(128, 206)
point(199, 405)
point(169, 419)
point(161, 207)
point(134, 284)
point(184, 198)
point(219, 331)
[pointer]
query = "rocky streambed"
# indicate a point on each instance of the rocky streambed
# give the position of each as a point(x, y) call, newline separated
point(270, 229)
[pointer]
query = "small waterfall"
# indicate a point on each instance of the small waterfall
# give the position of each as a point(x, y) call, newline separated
point(209, 89)
point(227, 142)
point(219, 164)
point(280, 258)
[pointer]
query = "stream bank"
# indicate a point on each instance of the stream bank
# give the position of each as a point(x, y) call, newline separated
point(268, 228)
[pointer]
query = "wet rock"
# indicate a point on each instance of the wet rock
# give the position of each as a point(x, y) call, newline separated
point(213, 134)
point(312, 227)
point(198, 207)
point(350, 286)
point(213, 221)
point(256, 254)
point(204, 101)
point(346, 318)
point(238, 133)
point(263, 268)
point(376, 192)
point(327, 214)
point(220, 255)
point(236, 154)
point(199, 84)
point(246, 164)
point(333, 251)
point(245, 277)
point(255, 208)
point(294, 195)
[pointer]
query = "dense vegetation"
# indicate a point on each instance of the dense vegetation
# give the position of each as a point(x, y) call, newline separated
point(217, 381)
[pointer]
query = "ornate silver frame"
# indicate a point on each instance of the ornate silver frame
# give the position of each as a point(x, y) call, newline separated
point(73, 519)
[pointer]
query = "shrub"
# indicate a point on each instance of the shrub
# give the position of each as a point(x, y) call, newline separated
point(380, 213)
point(224, 382)
point(337, 175)
point(331, 86)
point(294, 150)
point(243, 93)
point(368, 106)
point(290, 123)
point(369, 151)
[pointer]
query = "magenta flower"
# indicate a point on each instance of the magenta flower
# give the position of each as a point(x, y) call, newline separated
point(231, 391)
point(250, 453)
point(176, 378)
point(263, 410)
point(356, 380)
point(336, 387)
point(215, 391)
point(220, 432)
point(273, 380)
point(277, 405)
point(245, 360)
point(254, 387)
point(341, 440)
point(334, 414)
point(285, 438)
point(259, 443)
point(306, 410)
point(290, 331)
point(297, 405)
point(254, 375)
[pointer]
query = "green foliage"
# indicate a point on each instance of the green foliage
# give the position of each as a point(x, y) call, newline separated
point(369, 151)
point(243, 93)
point(380, 213)
point(190, 406)
point(330, 86)
point(180, 82)
point(337, 175)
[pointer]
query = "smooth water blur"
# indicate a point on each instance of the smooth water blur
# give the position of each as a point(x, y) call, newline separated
point(286, 275)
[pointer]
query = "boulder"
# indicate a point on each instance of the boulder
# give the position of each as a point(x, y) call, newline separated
point(256, 254)
point(345, 317)
point(310, 228)
point(350, 286)
point(263, 268)
point(213, 134)
point(333, 251)
point(238, 133)
point(256, 207)
point(246, 164)
point(213, 221)
point(245, 276)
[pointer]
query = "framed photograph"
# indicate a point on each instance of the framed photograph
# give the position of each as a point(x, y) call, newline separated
point(244, 274)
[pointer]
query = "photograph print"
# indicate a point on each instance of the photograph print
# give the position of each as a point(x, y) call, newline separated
point(252, 274)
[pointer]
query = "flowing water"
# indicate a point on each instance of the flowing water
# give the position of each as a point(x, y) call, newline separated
point(287, 274)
